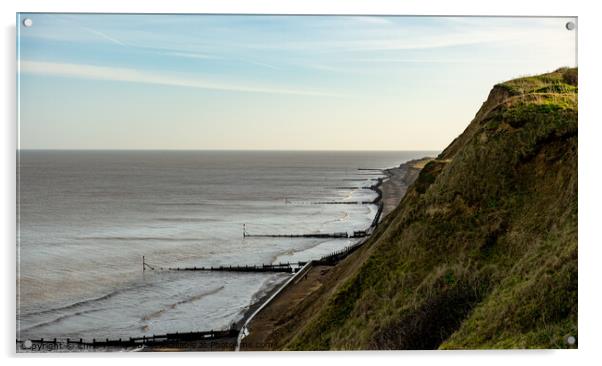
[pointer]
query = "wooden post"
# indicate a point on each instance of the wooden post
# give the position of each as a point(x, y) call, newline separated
point(244, 230)
point(143, 265)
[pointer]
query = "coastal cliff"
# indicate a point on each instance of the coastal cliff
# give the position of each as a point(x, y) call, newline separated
point(482, 250)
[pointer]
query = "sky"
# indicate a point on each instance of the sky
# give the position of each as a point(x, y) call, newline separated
point(203, 82)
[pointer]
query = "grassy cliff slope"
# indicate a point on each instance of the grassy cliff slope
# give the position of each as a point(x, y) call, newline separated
point(482, 250)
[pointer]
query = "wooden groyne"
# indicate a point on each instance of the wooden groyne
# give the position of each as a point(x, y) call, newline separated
point(379, 192)
point(376, 218)
point(133, 342)
point(252, 268)
point(337, 235)
point(337, 256)
point(354, 235)
point(342, 203)
point(375, 187)
point(341, 235)
point(352, 187)
point(288, 267)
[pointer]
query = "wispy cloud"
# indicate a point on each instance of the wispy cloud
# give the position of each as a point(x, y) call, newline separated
point(398, 40)
point(191, 55)
point(92, 72)
point(213, 57)
point(104, 36)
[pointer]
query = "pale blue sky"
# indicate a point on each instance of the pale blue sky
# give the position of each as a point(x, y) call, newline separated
point(92, 81)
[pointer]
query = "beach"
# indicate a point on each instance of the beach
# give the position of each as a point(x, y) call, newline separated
point(271, 328)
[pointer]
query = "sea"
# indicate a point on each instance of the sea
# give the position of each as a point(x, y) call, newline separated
point(86, 218)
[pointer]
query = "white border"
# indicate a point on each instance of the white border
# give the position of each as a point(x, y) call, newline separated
point(590, 274)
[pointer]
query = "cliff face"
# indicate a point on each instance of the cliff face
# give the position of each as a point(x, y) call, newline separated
point(482, 250)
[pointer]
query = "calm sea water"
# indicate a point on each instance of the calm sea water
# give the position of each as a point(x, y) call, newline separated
point(86, 218)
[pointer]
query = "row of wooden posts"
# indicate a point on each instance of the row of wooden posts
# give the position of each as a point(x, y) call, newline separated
point(356, 234)
point(144, 340)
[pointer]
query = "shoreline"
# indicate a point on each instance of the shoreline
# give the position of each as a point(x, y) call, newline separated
point(271, 324)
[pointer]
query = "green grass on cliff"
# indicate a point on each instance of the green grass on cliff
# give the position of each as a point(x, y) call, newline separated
point(482, 251)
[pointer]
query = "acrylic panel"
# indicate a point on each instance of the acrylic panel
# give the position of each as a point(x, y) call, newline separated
point(315, 182)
